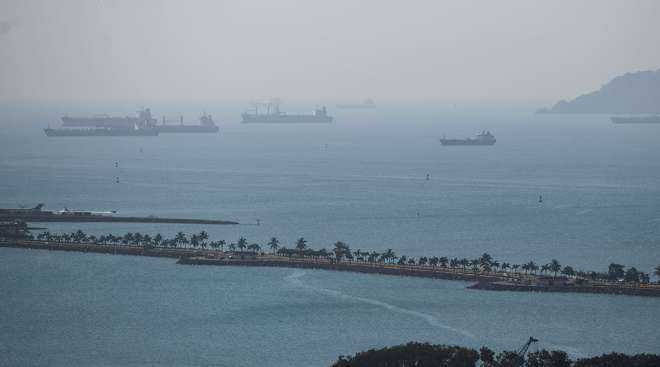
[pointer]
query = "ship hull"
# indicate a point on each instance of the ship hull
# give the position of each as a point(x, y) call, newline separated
point(173, 129)
point(636, 120)
point(466, 142)
point(285, 119)
point(99, 132)
point(348, 106)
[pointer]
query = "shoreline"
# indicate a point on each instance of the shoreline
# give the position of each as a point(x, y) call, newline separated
point(489, 282)
point(53, 218)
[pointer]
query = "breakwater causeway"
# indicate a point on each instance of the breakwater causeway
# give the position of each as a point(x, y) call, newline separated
point(492, 282)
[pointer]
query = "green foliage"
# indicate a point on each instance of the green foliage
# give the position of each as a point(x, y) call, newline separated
point(429, 355)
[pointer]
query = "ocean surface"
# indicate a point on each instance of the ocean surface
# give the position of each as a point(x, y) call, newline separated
point(361, 180)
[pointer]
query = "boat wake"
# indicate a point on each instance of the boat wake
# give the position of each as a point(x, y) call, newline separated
point(294, 279)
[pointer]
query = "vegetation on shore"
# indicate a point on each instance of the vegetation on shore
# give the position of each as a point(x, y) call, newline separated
point(341, 252)
point(429, 355)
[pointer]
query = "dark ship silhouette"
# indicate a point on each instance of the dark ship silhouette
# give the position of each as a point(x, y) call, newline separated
point(483, 138)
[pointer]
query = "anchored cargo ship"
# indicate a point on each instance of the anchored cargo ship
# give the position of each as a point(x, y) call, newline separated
point(270, 113)
point(206, 125)
point(636, 120)
point(369, 103)
point(143, 124)
point(484, 138)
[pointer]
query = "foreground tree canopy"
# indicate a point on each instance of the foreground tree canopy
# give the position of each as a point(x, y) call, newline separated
point(429, 355)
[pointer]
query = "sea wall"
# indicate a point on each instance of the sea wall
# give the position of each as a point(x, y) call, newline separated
point(643, 291)
point(201, 257)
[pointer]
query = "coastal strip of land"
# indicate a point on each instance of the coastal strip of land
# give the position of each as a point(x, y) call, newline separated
point(114, 219)
point(495, 281)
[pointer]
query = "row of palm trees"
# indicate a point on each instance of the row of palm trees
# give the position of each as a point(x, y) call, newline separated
point(341, 252)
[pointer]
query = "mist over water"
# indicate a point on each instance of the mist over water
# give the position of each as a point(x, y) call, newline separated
point(362, 180)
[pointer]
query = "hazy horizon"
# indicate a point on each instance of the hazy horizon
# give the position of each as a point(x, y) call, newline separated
point(427, 50)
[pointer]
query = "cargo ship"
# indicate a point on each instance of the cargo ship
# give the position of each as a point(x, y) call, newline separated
point(483, 138)
point(270, 113)
point(206, 125)
point(143, 124)
point(636, 120)
point(369, 103)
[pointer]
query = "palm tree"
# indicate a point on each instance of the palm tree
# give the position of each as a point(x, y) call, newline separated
point(203, 236)
point(545, 268)
point(475, 264)
point(505, 266)
point(254, 248)
point(128, 238)
point(180, 238)
point(443, 261)
point(434, 261)
point(242, 244)
point(554, 266)
point(389, 255)
point(342, 250)
point(158, 239)
point(232, 247)
point(301, 245)
point(422, 260)
point(515, 267)
point(411, 261)
point(222, 244)
point(137, 238)
point(79, 236)
point(486, 261)
point(194, 240)
point(568, 271)
point(402, 260)
point(274, 244)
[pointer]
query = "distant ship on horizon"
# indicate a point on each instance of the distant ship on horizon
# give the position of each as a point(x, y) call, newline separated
point(368, 103)
point(483, 138)
point(636, 119)
point(270, 113)
point(143, 124)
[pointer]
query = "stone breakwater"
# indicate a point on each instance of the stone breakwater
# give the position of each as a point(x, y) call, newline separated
point(481, 281)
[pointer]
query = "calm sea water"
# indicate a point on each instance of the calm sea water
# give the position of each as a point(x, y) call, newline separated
point(362, 180)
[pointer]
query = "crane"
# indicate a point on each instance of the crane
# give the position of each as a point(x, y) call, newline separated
point(523, 350)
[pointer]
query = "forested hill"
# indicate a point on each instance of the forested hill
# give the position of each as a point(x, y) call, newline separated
point(631, 93)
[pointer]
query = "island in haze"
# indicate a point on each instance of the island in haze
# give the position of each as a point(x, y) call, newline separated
point(631, 93)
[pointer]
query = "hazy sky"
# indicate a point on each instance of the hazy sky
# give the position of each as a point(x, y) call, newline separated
point(340, 49)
